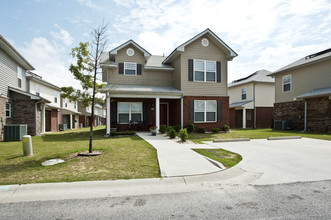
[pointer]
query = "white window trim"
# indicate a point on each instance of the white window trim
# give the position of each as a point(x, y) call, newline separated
point(135, 70)
point(287, 83)
point(242, 93)
point(66, 102)
point(8, 110)
point(205, 71)
point(19, 75)
point(118, 113)
point(37, 90)
point(205, 112)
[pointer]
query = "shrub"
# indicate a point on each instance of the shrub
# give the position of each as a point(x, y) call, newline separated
point(183, 134)
point(201, 130)
point(172, 133)
point(169, 128)
point(226, 127)
point(215, 130)
point(177, 128)
point(163, 129)
point(190, 127)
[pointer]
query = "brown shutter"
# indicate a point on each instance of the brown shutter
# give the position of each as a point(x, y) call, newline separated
point(145, 112)
point(120, 68)
point(218, 71)
point(138, 69)
point(219, 110)
point(191, 110)
point(190, 70)
point(113, 110)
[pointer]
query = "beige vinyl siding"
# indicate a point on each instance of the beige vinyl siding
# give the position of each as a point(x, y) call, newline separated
point(195, 50)
point(235, 93)
point(8, 74)
point(303, 80)
point(264, 94)
point(147, 77)
point(176, 73)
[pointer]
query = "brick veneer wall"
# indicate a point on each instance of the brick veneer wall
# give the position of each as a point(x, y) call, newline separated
point(208, 125)
point(264, 115)
point(293, 111)
point(319, 114)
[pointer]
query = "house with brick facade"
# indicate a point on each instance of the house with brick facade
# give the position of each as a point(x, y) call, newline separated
point(50, 112)
point(251, 101)
point(85, 117)
point(17, 104)
point(303, 93)
point(189, 85)
point(69, 113)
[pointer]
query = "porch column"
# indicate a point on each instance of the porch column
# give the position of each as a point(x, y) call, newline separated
point(181, 113)
point(244, 118)
point(108, 114)
point(70, 121)
point(157, 114)
point(43, 119)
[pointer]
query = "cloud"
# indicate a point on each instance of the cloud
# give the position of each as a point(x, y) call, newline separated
point(62, 35)
point(90, 4)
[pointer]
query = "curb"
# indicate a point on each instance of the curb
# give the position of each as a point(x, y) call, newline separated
point(284, 138)
point(231, 140)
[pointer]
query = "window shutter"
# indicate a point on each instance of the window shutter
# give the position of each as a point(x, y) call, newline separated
point(219, 110)
point(138, 69)
point(120, 68)
point(218, 71)
point(145, 111)
point(113, 113)
point(190, 70)
point(191, 110)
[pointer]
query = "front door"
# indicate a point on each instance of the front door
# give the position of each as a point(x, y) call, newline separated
point(48, 119)
point(239, 118)
point(164, 114)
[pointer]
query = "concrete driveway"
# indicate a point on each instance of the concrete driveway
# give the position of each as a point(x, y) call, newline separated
point(283, 161)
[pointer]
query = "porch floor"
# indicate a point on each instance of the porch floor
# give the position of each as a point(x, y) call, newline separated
point(178, 159)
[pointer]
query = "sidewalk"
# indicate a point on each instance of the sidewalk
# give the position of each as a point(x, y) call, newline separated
point(178, 159)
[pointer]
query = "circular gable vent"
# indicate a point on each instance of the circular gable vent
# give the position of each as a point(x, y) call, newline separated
point(130, 52)
point(205, 42)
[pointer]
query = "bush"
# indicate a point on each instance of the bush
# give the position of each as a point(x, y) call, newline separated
point(169, 128)
point(215, 130)
point(226, 127)
point(177, 128)
point(172, 133)
point(190, 127)
point(163, 129)
point(201, 130)
point(183, 134)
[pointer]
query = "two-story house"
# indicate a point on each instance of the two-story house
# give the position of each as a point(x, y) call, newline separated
point(69, 113)
point(251, 101)
point(85, 117)
point(303, 93)
point(189, 85)
point(17, 106)
point(50, 112)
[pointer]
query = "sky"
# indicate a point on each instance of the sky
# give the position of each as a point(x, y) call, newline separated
point(265, 34)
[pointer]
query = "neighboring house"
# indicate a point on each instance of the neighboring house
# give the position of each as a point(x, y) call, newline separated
point(303, 93)
point(85, 117)
point(50, 115)
point(251, 101)
point(69, 113)
point(17, 106)
point(189, 85)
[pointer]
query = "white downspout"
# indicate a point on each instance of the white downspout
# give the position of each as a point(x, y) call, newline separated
point(305, 122)
point(108, 115)
point(157, 114)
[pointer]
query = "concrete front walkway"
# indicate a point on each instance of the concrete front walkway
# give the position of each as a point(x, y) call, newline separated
point(178, 159)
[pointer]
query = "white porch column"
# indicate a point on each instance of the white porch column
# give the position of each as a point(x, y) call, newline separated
point(70, 121)
point(157, 114)
point(108, 114)
point(244, 118)
point(181, 113)
point(43, 119)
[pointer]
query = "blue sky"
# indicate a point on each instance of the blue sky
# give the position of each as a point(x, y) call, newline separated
point(266, 34)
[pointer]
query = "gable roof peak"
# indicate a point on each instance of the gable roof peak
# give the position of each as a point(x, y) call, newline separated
point(140, 48)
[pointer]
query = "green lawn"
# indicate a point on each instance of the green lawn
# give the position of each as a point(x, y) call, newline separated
point(123, 158)
point(255, 134)
point(227, 158)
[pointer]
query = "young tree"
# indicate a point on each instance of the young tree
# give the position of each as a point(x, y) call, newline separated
point(85, 70)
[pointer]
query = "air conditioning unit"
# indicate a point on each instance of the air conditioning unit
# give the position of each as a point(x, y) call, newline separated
point(15, 132)
point(63, 127)
point(282, 125)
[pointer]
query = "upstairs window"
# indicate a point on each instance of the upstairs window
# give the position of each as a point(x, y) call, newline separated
point(204, 71)
point(130, 69)
point(8, 110)
point(55, 97)
point(129, 112)
point(287, 81)
point(66, 102)
point(37, 90)
point(243, 93)
point(205, 111)
point(19, 77)
point(75, 105)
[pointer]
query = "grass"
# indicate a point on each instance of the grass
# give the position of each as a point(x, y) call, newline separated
point(126, 157)
point(227, 158)
point(255, 134)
